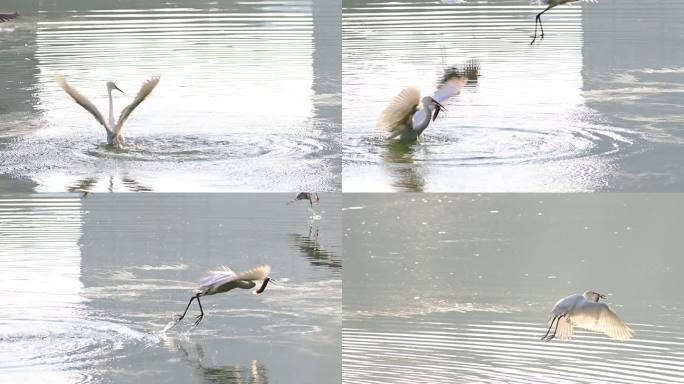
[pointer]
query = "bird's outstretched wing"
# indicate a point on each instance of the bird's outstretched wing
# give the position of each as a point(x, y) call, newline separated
point(218, 276)
point(258, 273)
point(394, 117)
point(8, 16)
point(144, 91)
point(564, 329)
point(450, 88)
point(82, 101)
point(600, 317)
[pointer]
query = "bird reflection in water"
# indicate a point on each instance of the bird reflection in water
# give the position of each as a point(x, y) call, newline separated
point(310, 248)
point(407, 174)
point(89, 184)
point(255, 373)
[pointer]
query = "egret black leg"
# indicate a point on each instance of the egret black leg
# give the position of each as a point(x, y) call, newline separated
point(186, 308)
point(201, 315)
point(537, 20)
point(555, 329)
point(550, 326)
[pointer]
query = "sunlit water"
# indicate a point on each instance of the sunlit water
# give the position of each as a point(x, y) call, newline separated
point(596, 105)
point(89, 286)
point(245, 101)
point(458, 288)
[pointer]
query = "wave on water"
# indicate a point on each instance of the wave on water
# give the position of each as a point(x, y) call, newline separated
point(505, 351)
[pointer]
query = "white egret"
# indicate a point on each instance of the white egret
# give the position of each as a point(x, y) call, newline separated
point(585, 311)
point(551, 4)
point(8, 16)
point(312, 197)
point(408, 115)
point(114, 136)
point(224, 280)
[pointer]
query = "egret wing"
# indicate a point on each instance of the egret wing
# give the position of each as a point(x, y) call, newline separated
point(217, 277)
point(394, 117)
point(144, 91)
point(82, 101)
point(8, 16)
point(258, 273)
point(600, 317)
point(564, 329)
point(450, 88)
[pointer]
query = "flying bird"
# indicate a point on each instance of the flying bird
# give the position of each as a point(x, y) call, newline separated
point(551, 4)
point(312, 197)
point(8, 16)
point(408, 115)
point(114, 136)
point(224, 280)
point(585, 311)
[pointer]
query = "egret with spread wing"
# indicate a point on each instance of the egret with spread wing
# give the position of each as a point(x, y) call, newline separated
point(114, 136)
point(408, 115)
point(585, 311)
point(312, 197)
point(224, 280)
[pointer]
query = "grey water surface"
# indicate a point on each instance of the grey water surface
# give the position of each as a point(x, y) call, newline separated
point(458, 288)
point(90, 285)
point(597, 105)
point(249, 97)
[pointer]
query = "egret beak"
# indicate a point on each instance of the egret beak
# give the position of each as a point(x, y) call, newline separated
point(438, 107)
point(117, 88)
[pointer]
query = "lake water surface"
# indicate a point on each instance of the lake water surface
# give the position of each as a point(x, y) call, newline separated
point(597, 105)
point(249, 97)
point(458, 288)
point(90, 284)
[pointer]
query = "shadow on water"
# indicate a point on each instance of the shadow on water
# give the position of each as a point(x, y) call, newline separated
point(89, 184)
point(193, 354)
point(407, 174)
point(311, 249)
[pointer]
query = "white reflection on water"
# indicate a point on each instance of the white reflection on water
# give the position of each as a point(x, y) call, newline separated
point(505, 351)
point(238, 105)
point(523, 126)
point(46, 327)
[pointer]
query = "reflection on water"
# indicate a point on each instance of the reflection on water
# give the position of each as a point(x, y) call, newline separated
point(193, 354)
point(91, 284)
point(244, 100)
point(310, 248)
point(531, 123)
point(458, 288)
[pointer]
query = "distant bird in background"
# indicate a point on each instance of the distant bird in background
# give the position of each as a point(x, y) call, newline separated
point(551, 4)
point(312, 197)
point(114, 136)
point(585, 311)
point(8, 16)
point(408, 115)
point(224, 280)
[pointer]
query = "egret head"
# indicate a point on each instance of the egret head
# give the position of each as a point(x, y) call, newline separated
point(111, 85)
point(593, 296)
